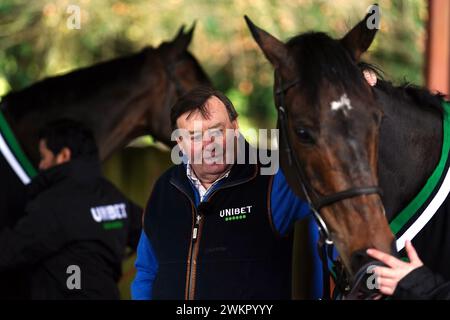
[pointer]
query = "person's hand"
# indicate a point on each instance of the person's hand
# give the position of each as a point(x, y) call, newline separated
point(370, 77)
point(388, 277)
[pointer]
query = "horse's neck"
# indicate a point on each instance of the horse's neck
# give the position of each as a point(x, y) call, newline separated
point(112, 129)
point(409, 150)
point(115, 121)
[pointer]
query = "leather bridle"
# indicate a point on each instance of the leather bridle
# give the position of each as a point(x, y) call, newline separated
point(315, 201)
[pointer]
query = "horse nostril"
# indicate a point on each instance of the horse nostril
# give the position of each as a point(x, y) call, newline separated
point(359, 259)
point(363, 283)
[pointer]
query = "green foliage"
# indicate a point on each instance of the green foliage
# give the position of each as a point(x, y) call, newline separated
point(35, 41)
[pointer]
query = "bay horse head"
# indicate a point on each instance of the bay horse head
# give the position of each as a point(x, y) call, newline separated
point(179, 72)
point(329, 122)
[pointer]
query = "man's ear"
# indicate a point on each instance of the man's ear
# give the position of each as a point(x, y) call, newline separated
point(180, 141)
point(235, 124)
point(63, 156)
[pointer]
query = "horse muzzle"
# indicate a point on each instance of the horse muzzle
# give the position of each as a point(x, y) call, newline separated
point(363, 285)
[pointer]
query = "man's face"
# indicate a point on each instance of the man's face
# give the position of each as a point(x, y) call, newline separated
point(207, 137)
point(48, 159)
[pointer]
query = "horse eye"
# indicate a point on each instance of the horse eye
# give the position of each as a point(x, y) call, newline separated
point(304, 136)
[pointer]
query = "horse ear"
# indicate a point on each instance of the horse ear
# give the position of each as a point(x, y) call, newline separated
point(179, 34)
point(359, 39)
point(274, 50)
point(182, 40)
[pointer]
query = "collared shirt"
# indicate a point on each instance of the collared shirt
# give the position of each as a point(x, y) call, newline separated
point(202, 191)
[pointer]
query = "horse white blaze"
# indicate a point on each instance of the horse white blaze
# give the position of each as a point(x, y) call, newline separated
point(342, 104)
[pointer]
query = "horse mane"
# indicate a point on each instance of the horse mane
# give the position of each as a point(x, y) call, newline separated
point(419, 95)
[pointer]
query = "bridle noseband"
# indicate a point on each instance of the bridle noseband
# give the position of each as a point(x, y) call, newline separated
point(315, 201)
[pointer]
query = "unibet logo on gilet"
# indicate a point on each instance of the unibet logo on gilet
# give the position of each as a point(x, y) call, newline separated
point(234, 214)
point(110, 215)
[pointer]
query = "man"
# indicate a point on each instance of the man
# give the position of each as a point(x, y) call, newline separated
point(212, 229)
point(408, 280)
point(77, 224)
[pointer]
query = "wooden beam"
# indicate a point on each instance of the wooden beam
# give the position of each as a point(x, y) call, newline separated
point(438, 46)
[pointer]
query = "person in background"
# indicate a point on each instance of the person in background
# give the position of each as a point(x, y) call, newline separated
point(77, 225)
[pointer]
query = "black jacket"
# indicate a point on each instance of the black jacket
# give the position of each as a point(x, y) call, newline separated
point(422, 284)
point(233, 252)
point(74, 218)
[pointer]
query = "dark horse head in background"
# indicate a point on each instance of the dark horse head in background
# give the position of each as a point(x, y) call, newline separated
point(119, 99)
point(332, 121)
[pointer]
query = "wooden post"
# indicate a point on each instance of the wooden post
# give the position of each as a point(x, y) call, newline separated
point(438, 46)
